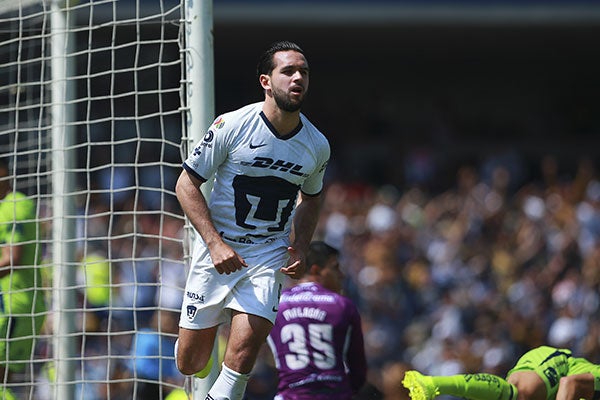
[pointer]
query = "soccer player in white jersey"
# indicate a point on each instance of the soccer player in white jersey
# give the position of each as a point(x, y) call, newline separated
point(268, 163)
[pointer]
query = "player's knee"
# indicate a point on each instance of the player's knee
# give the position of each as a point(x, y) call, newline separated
point(191, 366)
point(190, 362)
point(241, 359)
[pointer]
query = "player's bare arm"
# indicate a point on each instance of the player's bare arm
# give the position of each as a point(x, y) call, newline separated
point(224, 258)
point(575, 387)
point(305, 223)
point(10, 255)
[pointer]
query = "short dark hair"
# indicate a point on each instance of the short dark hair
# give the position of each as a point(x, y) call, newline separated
point(319, 253)
point(265, 63)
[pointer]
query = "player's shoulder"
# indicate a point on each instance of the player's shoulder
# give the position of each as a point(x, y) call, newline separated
point(314, 291)
point(312, 129)
point(318, 138)
point(17, 203)
point(238, 116)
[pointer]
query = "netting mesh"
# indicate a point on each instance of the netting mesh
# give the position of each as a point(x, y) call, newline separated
point(125, 116)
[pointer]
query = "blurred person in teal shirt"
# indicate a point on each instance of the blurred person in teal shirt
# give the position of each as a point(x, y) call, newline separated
point(153, 363)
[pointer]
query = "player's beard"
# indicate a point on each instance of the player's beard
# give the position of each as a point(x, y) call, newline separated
point(284, 101)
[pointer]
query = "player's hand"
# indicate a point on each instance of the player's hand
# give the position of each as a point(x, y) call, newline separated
point(296, 264)
point(225, 259)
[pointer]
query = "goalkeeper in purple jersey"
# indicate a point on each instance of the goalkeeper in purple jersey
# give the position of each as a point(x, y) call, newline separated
point(317, 340)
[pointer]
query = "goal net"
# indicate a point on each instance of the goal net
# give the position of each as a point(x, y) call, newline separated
point(91, 126)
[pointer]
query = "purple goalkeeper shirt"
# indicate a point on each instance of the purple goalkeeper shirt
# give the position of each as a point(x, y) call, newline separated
point(317, 343)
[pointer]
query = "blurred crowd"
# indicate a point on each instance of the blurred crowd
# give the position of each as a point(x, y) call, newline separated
point(469, 278)
point(457, 280)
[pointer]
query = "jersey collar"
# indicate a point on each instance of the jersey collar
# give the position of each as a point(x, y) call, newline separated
point(274, 131)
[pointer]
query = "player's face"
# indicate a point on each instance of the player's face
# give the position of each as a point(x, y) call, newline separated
point(331, 275)
point(4, 182)
point(289, 80)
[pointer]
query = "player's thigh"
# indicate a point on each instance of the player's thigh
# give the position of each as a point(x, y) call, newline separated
point(247, 335)
point(194, 348)
point(529, 385)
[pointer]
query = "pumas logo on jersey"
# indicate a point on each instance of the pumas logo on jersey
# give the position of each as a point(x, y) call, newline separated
point(219, 123)
point(280, 165)
point(191, 312)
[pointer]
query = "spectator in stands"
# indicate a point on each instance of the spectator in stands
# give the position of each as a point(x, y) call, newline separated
point(153, 360)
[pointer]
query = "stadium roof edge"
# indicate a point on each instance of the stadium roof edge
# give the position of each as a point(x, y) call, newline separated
point(382, 13)
point(358, 13)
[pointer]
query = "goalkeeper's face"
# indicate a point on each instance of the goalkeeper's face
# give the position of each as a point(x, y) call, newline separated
point(288, 82)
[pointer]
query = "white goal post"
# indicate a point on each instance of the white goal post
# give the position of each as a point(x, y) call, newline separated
point(95, 105)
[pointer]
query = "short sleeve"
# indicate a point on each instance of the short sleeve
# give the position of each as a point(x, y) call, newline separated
point(210, 152)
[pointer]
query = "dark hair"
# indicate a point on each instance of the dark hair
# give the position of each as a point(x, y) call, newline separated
point(265, 63)
point(319, 253)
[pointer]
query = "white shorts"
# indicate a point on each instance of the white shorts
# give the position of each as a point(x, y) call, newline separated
point(209, 296)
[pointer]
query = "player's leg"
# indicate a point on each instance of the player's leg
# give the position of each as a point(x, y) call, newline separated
point(248, 334)
point(193, 349)
point(529, 385)
point(202, 311)
point(469, 386)
point(575, 387)
point(530, 375)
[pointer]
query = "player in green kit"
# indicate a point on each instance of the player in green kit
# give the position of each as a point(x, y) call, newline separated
point(544, 373)
point(22, 307)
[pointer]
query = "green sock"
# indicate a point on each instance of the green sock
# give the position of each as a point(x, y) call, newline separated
point(476, 387)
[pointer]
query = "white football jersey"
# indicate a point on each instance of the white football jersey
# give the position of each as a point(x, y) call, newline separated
point(257, 173)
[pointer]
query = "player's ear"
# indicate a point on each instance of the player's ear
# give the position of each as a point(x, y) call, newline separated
point(265, 81)
point(314, 269)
